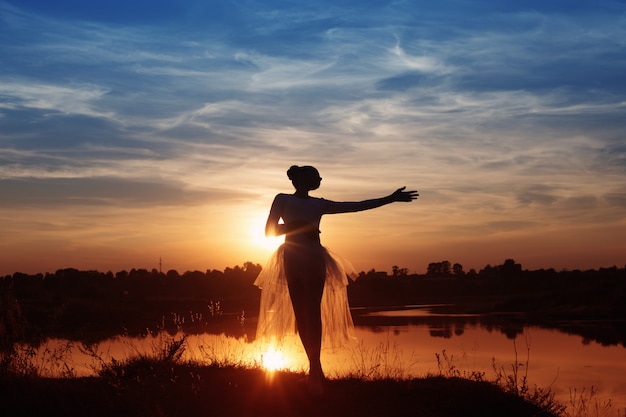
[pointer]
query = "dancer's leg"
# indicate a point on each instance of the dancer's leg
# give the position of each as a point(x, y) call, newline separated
point(306, 275)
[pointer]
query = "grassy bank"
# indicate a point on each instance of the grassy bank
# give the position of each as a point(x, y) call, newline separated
point(151, 389)
point(161, 384)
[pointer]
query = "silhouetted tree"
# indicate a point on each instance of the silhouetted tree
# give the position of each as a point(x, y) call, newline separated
point(439, 269)
point(510, 269)
point(399, 272)
point(252, 269)
point(12, 324)
point(487, 272)
point(433, 269)
point(173, 274)
point(194, 275)
point(372, 274)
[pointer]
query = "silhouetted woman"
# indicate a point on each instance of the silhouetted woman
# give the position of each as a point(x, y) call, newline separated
point(304, 285)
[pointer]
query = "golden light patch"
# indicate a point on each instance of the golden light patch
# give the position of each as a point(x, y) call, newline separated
point(257, 232)
point(273, 360)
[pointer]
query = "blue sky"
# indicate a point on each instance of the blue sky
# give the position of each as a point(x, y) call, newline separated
point(132, 130)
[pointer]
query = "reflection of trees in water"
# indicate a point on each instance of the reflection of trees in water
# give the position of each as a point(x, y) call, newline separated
point(445, 326)
point(444, 332)
point(607, 333)
point(447, 330)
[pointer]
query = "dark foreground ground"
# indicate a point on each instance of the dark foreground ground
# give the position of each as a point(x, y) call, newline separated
point(188, 391)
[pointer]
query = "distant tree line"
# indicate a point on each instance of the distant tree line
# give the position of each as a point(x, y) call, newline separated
point(502, 288)
point(75, 304)
point(70, 302)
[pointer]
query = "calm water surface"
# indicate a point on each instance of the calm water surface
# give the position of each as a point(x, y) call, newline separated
point(399, 343)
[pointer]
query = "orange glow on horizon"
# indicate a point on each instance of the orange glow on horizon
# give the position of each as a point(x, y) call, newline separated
point(224, 235)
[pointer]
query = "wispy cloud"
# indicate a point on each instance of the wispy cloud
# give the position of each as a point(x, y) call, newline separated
point(66, 99)
point(508, 116)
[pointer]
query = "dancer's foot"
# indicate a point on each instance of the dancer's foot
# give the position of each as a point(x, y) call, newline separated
point(316, 382)
point(316, 385)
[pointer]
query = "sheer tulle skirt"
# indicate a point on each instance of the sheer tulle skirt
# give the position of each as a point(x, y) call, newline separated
point(276, 316)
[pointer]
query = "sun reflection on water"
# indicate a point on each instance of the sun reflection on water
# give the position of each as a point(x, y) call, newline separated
point(273, 359)
point(288, 355)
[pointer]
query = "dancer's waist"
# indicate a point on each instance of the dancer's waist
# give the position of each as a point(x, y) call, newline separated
point(310, 236)
point(303, 237)
point(302, 232)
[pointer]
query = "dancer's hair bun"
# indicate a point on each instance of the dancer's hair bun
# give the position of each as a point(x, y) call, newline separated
point(292, 172)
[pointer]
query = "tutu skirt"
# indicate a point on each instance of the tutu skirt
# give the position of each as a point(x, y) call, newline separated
point(276, 315)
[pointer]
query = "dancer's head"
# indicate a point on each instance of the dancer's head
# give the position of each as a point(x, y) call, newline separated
point(304, 177)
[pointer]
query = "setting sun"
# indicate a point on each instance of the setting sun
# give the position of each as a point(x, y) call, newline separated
point(273, 360)
point(257, 230)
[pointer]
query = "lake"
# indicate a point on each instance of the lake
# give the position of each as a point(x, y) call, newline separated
point(405, 342)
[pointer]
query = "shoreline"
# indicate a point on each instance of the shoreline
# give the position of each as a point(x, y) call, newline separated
point(171, 389)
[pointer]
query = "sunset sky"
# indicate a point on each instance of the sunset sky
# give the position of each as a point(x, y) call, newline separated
point(133, 131)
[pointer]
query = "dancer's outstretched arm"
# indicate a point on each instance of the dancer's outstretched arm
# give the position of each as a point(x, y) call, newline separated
point(400, 195)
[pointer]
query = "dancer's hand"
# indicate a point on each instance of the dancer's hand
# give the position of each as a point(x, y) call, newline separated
point(404, 196)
